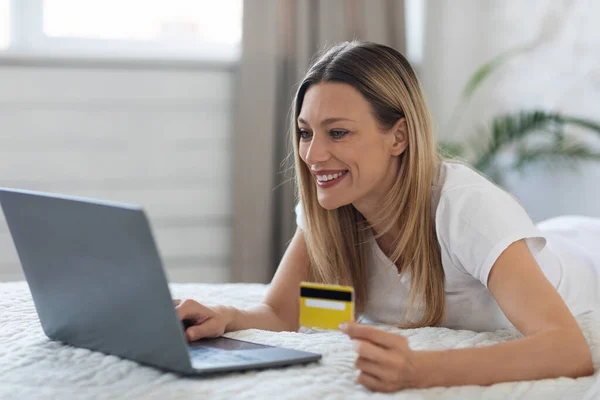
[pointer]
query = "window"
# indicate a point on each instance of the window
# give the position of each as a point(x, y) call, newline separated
point(4, 23)
point(196, 20)
point(186, 29)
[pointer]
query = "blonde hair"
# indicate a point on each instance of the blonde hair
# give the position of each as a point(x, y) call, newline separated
point(337, 239)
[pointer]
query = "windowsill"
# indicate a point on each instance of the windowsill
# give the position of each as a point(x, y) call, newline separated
point(118, 61)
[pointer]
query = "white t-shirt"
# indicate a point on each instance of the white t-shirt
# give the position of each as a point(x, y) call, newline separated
point(475, 222)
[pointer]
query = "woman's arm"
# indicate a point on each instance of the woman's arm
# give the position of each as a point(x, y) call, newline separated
point(279, 310)
point(553, 345)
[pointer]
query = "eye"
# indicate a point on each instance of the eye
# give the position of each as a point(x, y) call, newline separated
point(337, 134)
point(304, 134)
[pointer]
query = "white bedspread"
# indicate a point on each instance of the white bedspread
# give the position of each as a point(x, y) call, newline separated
point(31, 366)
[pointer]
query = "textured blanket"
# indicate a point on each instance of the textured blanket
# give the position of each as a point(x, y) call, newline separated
point(32, 366)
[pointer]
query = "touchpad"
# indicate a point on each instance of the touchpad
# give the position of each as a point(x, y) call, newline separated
point(224, 343)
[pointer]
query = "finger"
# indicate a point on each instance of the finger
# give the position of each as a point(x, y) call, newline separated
point(385, 339)
point(204, 330)
point(371, 351)
point(370, 382)
point(378, 370)
point(176, 302)
point(189, 309)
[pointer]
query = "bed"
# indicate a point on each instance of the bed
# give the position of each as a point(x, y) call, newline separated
point(32, 366)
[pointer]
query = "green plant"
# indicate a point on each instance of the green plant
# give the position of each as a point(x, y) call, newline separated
point(523, 138)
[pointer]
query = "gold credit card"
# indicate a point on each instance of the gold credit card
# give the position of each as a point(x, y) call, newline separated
point(325, 306)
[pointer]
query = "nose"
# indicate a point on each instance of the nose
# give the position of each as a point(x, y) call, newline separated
point(317, 152)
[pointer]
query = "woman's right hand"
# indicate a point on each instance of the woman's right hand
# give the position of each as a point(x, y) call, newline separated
point(203, 321)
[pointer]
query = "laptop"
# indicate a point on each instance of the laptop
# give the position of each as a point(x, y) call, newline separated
point(97, 282)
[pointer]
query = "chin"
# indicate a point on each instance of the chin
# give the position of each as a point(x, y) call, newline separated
point(330, 203)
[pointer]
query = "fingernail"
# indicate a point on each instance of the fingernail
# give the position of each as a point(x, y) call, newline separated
point(355, 344)
point(343, 327)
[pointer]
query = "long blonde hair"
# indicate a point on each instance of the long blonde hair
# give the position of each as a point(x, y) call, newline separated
point(337, 240)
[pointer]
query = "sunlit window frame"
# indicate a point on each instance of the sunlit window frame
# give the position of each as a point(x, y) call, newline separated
point(28, 41)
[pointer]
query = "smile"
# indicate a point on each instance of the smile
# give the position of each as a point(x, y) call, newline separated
point(330, 177)
point(327, 181)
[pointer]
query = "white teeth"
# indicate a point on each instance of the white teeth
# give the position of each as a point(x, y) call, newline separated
point(325, 178)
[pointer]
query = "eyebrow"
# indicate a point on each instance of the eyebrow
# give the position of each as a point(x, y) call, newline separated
point(328, 120)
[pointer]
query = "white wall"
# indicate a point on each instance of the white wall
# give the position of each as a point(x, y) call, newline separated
point(561, 73)
point(157, 137)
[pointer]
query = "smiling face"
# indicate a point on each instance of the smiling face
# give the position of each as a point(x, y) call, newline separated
point(352, 160)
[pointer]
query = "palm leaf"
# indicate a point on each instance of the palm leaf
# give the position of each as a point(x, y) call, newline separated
point(557, 154)
point(512, 130)
point(581, 122)
point(484, 71)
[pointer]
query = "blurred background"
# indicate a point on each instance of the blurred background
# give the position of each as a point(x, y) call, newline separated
point(182, 107)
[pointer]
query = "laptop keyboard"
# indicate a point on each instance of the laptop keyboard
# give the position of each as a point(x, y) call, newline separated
point(212, 357)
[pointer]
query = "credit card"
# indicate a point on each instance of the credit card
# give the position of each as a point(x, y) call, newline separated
point(325, 306)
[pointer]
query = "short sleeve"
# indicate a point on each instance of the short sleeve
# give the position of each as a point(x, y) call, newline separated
point(300, 216)
point(477, 223)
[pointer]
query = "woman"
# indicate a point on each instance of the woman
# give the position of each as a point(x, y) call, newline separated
point(423, 242)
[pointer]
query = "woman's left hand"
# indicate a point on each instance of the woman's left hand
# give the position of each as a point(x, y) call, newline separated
point(385, 361)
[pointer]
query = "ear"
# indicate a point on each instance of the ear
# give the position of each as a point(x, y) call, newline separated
point(400, 133)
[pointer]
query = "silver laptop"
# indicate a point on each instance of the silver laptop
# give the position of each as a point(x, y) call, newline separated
point(97, 282)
